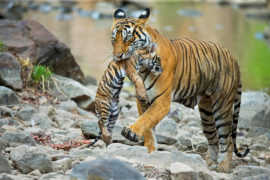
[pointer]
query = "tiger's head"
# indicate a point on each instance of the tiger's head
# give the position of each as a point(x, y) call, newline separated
point(129, 34)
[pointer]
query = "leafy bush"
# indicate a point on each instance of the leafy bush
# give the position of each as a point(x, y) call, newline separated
point(41, 73)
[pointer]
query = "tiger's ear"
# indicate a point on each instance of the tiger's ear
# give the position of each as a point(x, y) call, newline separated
point(143, 18)
point(118, 14)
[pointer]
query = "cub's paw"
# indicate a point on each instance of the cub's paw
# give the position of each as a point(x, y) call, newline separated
point(143, 99)
point(130, 135)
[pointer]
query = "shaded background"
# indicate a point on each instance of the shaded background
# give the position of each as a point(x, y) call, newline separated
point(85, 27)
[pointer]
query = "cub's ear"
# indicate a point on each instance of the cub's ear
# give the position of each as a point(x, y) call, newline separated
point(119, 14)
point(143, 18)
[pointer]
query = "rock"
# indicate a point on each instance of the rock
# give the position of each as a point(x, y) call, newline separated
point(261, 119)
point(70, 89)
point(68, 105)
point(36, 172)
point(41, 119)
point(26, 112)
point(7, 97)
point(243, 171)
point(258, 177)
point(10, 71)
point(184, 140)
point(64, 119)
point(5, 111)
point(81, 154)
point(182, 171)
point(165, 132)
point(5, 176)
point(105, 169)
point(200, 143)
point(248, 3)
point(257, 131)
point(62, 164)
point(4, 164)
point(253, 103)
point(90, 129)
point(17, 138)
point(29, 39)
point(54, 176)
point(27, 159)
point(8, 121)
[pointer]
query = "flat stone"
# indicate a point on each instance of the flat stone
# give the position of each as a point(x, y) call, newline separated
point(17, 138)
point(27, 159)
point(90, 129)
point(105, 169)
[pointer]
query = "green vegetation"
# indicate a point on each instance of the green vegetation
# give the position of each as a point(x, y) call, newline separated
point(41, 73)
point(2, 46)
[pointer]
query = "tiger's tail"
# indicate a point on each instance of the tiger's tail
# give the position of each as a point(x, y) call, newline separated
point(237, 103)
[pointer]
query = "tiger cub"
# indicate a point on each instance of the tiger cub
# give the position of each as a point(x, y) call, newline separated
point(109, 88)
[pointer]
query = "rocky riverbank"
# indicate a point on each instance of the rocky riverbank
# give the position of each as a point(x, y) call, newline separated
point(44, 138)
point(45, 133)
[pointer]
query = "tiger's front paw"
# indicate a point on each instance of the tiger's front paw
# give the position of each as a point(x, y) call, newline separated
point(129, 134)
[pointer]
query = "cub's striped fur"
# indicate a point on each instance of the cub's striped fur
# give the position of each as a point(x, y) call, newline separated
point(107, 96)
point(194, 72)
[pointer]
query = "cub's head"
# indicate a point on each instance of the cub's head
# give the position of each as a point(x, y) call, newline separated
point(129, 34)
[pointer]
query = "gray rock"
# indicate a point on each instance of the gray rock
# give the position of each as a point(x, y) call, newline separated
point(165, 132)
point(262, 118)
point(4, 165)
point(41, 119)
point(62, 164)
point(105, 169)
point(7, 96)
point(252, 104)
point(54, 176)
point(258, 177)
point(29, 39)
point(184, 140)
point(27, 159)
point(5, 111)
point(17, 138)
point(70, 89)
point(258, 131)
point(243, 171)
point(68, 105)
point(90, 129)
point(10, 71)
point(47, 109)
point(81, 154)
point(36, 172)
point(5, 176)
point(183, 171)
point(26, 112)
point(9, 121)
point(64, 119)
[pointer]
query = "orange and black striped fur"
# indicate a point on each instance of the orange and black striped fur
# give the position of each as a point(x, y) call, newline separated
point(194, 72)
point(107, 96)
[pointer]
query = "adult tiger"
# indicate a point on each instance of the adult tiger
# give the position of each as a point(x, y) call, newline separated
point(194, 72)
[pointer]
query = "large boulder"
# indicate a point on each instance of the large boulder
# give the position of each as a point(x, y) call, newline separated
point(7, 96)
point(10, 71)
point(27, 159)
point(105, 169)
point(254, 110)
point(30, 40)
point(66, 88)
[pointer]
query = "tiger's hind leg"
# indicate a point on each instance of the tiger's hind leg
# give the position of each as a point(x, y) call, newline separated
point(222, 109)
point(209, 129)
